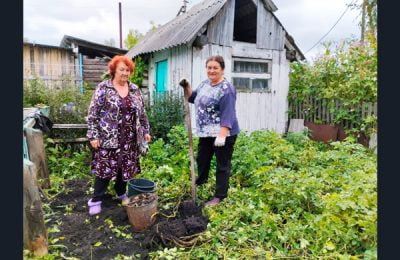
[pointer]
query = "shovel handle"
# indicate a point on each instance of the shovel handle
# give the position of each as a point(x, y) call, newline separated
point(189, 127)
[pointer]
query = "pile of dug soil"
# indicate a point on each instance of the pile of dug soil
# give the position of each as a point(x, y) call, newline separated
point(108, 234)
point(183, 230)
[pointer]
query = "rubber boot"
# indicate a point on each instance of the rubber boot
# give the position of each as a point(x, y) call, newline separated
point(94, 207)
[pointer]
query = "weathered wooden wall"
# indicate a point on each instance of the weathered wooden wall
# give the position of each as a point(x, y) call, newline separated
point(220, 27)
point(267, 110)
point(255, 110)
point(54, 65)
point(179, 65)
point(270, 34)
point(93, 69)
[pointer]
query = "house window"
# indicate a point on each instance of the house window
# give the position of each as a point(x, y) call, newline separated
point(245, 21)
point(251, 75)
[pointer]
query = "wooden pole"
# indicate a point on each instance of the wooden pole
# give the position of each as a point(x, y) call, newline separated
point(120, 25)
point(364, 5)
point(35, 234)
point(189, 127)
point(37, 155)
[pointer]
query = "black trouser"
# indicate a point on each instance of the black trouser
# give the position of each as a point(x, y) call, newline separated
point(205, 152)
point(100, 187)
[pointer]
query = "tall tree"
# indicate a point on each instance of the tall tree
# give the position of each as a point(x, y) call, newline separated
point(134, 35)
point(132, 38)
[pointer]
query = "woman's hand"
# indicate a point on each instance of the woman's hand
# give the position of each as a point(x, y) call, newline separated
point(95, 144)
point(187, 89)
point(219, 141)
point(147, 138)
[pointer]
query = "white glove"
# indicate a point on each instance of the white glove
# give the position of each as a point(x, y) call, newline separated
point(219, 141)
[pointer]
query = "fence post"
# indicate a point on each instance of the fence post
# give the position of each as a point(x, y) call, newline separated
point(37, 154)
point(34, 229)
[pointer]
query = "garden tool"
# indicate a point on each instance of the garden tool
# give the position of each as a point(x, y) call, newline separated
point(185, 84)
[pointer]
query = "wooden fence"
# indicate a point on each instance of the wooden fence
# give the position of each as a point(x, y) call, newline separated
point(320, 110)
point(35, 177)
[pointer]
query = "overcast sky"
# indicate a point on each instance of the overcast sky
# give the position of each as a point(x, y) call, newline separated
point(47, 21)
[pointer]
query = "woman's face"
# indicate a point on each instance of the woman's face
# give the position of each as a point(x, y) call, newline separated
point(214, 71)
point(122, 72)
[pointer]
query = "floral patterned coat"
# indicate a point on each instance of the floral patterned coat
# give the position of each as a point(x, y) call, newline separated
point(119, 132)
point(104, 113)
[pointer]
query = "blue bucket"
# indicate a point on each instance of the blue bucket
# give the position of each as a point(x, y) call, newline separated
point(138, 186)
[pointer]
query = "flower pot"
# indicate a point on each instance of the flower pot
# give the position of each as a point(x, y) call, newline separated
point(322, 132)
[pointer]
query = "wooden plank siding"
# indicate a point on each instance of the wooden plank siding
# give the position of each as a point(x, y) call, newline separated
point(266, 110)
point(250, 50)
point(220, 27)
point(270, 34)
point(179, 65)
point(53, 65)
point(93, 69)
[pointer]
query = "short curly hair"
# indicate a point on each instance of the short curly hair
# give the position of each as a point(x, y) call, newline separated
point(112, 65)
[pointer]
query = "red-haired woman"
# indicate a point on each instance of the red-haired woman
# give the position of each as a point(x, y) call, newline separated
point(117, 124)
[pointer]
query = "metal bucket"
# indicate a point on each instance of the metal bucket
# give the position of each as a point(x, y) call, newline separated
point(142, 215)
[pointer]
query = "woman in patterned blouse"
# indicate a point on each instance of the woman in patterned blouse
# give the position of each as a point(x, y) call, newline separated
point(216, 124)
point(117, 123)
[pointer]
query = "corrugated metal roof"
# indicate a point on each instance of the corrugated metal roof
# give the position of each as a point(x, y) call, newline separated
point(178, 31)
point(184, 28)
point(68, 40)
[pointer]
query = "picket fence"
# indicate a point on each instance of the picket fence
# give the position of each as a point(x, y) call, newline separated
point(320, 110)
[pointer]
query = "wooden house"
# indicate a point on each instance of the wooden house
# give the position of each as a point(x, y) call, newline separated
point(75, 60)
point(93, 57)
point(256, 47)
point(52, 64)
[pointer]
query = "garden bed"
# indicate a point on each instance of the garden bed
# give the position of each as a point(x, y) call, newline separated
point(109, 234)
point(289, 198)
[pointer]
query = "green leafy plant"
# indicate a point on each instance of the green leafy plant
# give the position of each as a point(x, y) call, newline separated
point(137, 76)
point(165, 112)
point(345, 73)
point(289, 197)
point(34, 92)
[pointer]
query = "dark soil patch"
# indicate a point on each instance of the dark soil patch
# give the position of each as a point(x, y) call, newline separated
point(183, 230)
point(81, 232)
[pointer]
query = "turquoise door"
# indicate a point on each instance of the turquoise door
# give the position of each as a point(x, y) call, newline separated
point(161, 76)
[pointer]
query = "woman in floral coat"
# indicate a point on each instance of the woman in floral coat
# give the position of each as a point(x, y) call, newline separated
point(117, 123)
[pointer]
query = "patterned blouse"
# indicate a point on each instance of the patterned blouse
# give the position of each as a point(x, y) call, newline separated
point(215, 108)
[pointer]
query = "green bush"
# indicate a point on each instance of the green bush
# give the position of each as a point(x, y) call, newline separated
point(35, 92)
point(344, 72)
point(166, 111)
point(137, 76)
point(67, 105)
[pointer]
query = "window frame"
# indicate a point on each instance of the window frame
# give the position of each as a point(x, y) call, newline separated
point(253, 75)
